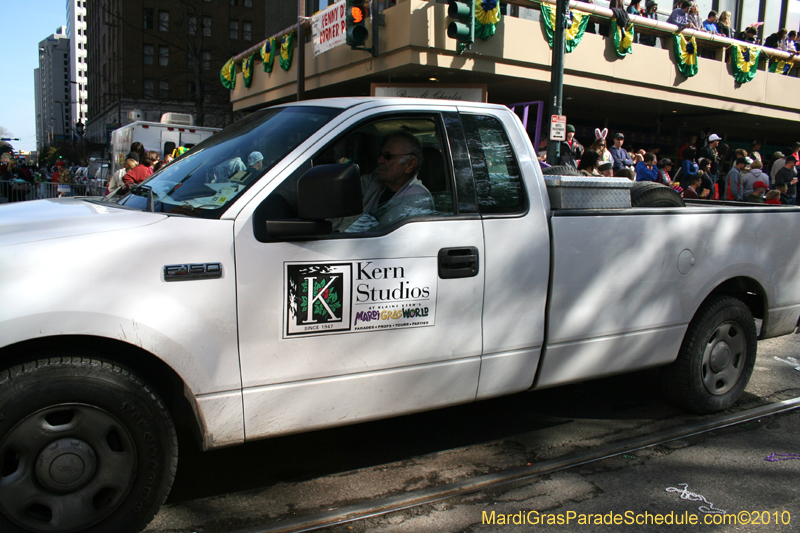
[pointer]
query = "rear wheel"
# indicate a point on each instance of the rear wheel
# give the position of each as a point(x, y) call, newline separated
point(85, 445)
point(716, 358)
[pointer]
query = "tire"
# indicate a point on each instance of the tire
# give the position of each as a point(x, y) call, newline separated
point(85, 445)
point(650, 194)
point(560, 170)
point(716, 358)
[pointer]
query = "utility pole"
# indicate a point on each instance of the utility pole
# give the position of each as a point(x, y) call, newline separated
point(301, 50)
point(557, 75)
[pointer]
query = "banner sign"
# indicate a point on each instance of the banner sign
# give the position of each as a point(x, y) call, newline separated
point(437, 91)
point(328, 28)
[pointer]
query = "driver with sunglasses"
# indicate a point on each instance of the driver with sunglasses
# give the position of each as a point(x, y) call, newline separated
point(393, 192)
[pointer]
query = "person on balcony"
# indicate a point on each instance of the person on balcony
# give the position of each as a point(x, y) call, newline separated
point(776, 39)
point(750, 35)
point(710, 24)
point(651, 12)
point(680, 15)
point(635, 9)
point(694, 17)
point(724, 24)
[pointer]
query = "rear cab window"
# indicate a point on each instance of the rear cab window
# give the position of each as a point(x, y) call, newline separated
point(498, 181)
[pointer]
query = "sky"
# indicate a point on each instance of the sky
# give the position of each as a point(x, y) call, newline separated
point(25, 24)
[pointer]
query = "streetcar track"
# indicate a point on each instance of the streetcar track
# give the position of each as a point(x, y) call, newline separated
point(361, 511)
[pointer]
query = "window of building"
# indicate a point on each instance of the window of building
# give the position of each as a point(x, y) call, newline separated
point(192, 25)
point(149, 18)
point(191, 89)
point(163, 56)
point(207, 26)
point(234, 2)
point(234, 27)
point(206, 60)
point(148, 54)
point(247, 31)
point(248, 3)
point(190, 59)
point(149, 88)
point(163, 21)
point(163, 89)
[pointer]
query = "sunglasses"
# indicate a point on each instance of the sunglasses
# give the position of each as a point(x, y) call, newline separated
point(389, 155)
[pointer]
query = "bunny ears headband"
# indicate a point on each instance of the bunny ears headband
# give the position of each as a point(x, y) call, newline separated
point(600, 134)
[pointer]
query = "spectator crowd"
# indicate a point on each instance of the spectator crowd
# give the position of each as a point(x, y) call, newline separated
point(703, 167)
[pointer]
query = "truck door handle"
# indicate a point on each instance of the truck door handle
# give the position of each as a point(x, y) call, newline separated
point(458, 262)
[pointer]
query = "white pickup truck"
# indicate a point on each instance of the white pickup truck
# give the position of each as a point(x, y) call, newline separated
point(228, 295)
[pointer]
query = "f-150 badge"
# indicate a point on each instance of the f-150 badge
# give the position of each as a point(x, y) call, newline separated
point(192, 271)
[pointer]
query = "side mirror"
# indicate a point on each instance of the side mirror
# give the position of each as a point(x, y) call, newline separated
point(323, 192)
point(329, 191)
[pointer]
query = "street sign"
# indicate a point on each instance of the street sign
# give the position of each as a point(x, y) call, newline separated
point(328, 28)
point(558, 128)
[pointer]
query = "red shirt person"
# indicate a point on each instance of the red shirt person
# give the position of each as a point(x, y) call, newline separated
point(59, 167)
point(136, 175)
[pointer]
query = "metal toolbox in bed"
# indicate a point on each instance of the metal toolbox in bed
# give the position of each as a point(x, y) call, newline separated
point(586, 192)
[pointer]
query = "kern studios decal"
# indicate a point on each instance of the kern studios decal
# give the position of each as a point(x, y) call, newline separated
point(318, 297)
point(357, 296)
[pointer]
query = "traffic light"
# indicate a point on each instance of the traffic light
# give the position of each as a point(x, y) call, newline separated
point(79, 128)
point(356, 22)
point(462, 29)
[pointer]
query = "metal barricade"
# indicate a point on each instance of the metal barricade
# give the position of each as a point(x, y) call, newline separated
point(18, 190)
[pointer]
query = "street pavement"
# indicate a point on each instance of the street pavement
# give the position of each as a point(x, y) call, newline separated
point(750, 468)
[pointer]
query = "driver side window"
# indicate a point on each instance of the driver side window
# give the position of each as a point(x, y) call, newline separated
point(403, 172)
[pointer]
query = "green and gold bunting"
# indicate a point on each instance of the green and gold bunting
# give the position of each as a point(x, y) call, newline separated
point(228, 74)
point(623, 38)
point(487, 15)
point(285, 56)
point(744, 62)
point(780, 66)
point(685, 54)
point(268, 54)
point(247, 69)
point(574, 32)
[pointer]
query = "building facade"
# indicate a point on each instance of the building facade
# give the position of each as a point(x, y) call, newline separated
point(76, 31)
point(149, 57)
point(53, 113)
point(642, 94)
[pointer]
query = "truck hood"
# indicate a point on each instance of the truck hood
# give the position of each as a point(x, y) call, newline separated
point(40, 220)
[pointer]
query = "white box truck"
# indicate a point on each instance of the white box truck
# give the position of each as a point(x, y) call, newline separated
point(174, 130)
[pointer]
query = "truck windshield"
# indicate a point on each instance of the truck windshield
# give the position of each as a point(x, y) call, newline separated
point(204, 181)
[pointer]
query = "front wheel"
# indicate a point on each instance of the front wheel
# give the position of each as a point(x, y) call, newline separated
point(85, 446)
point(716, 358)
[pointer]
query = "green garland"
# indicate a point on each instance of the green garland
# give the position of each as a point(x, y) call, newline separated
point(228, 74)
point(247, 69)
point(685, 54)
point(780, 66)
point(268, 54)
point(623, 39)
point(487, 15)
point(744, 62)
point(285, 56)
point(572, 34)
